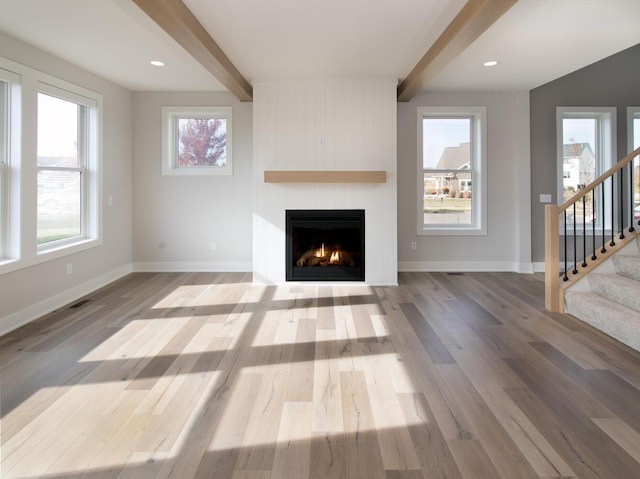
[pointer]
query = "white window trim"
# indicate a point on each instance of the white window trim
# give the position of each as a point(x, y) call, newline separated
point(607, 151)
point(633, 112)
point(23, 250)
point(479, 161)
point(170, 117)
point(10, 176)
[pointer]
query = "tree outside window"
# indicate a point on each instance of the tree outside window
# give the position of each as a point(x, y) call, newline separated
point(197, 141)
point(202, 142)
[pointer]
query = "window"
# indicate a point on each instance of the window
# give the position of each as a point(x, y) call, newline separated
point(633, 135)
point(585, 150)
point(66, 168)
point(197, 141)
point(451, 166)
point(49, 167)
point(633, 127)
point(4, 165)
point(9, 144)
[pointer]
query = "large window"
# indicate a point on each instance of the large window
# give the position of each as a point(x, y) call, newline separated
point(451, 159)
point(197, 141)
point(9, 145)
point(585, 150)
point(66, 168)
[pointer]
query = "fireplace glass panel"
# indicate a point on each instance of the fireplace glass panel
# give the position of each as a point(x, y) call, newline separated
point(325, 245)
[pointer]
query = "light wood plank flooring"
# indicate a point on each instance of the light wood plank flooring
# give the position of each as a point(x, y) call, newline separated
point(206, 375)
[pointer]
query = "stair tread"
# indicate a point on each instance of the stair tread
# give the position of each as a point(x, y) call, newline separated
point(608, 316)
point(617, 288)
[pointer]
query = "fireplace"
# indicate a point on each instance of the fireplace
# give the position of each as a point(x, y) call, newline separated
point(324, 245)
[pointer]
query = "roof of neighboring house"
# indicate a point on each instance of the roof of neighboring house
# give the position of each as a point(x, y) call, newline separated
point(455, 158)
point(571, 150)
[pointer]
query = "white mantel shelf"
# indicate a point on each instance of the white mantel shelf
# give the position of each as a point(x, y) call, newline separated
point(334, 176)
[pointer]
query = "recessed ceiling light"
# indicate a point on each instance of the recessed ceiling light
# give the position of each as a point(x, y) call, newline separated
point(157, 63)
point(490, 63)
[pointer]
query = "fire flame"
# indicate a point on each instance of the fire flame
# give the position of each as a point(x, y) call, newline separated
point(335, 257)
point(320, 252)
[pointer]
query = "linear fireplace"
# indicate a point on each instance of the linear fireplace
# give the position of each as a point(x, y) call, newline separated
point(324, 245)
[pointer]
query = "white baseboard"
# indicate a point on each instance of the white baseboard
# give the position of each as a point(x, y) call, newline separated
point(525, 268)
point(464, 266)
point(538, 267)
point(193, 267)
point(26, 315)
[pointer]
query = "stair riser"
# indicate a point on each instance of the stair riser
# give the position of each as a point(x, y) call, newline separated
point(609, 317)
point(621, 290)
point(628, 266)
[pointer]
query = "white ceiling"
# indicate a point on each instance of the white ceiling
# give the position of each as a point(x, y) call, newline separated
point(535, 42)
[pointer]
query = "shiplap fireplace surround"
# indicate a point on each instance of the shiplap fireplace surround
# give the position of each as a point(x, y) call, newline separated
point(327, 126)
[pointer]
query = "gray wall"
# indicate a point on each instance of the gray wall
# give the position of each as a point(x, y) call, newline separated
point(177, 217)
point(614, 82)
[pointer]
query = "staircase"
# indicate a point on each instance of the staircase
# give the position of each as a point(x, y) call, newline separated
point(608, 298)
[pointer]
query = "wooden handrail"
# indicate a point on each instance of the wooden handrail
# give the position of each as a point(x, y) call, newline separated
point(554, 290)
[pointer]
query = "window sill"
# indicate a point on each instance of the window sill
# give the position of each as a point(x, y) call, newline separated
point(14, 264)
point(471, 231)
point(57, 251)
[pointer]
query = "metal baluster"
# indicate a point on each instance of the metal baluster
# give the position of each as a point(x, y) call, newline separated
point(593, 223)
point(621, 206)
point(584, 231)
point(604, 249)
point(575, 243)
point(613, 212)
point(631, 196)
point(565, 278)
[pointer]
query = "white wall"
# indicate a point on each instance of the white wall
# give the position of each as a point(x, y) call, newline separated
point(330, 125)
point(177, 217)
point(32, 291)
point(507, 245)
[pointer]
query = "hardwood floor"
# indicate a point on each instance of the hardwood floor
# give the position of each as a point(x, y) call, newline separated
point(207, 375)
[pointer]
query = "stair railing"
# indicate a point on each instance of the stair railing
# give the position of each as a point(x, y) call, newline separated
point(589, 227)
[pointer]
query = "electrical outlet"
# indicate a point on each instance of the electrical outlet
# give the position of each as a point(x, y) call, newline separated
point(212, 246)
point(414, 246)
point(69, 268)
point(545, 198)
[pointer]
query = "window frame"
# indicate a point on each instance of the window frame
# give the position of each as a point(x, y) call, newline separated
point(9, 172)
point(605, 154)
point(88, 165)
point(633, 113)
point(606, 139)
point(478, 170)
point(170, 117)
point(22, 250)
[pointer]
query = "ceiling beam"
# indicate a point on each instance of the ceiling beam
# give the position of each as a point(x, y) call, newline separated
point(472, 21)
point(176, 19)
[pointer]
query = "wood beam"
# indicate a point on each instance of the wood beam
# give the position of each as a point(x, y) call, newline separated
point(176, 19)
point(471, 22)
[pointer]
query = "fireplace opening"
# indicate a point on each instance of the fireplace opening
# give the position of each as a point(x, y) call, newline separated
point(324, 245)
